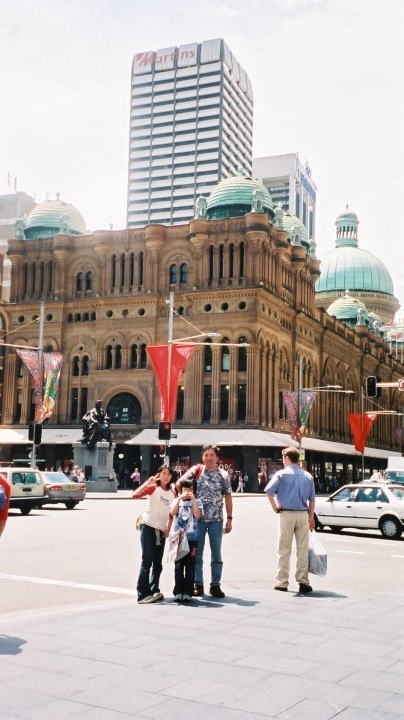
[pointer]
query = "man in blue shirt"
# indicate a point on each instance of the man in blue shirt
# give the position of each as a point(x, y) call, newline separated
point(291, 494)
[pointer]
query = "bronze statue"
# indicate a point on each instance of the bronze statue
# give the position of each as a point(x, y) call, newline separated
point(96, 427)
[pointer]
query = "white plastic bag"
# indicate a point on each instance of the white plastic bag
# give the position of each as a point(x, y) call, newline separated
point(178, 545)
point(317, 555)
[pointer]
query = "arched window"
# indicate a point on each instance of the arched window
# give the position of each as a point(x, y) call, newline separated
point(241, 260)
point(131, 269)
point(173, 274)
point(143, 356)
point(86, 317)
point(50, 275)
point(183, 273)
point(122, 280)
point(225, 359)
point(85, 365)
point(41, 276)
point(118, 357)
point(108, 357)
point(76, 366)
point(242, 355)
point(70, 318)
point(77, 317)
point(133, 356)
point(207, 361)
point(93, 316)
point(113, 271)
point(79, 282)
point(125, 408)
point(231, 260)
point(221, 261)
point(140, 268)
point(210, 268)
point(89, 280)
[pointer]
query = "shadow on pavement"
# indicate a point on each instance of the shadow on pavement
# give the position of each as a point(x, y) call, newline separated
point(10, 645)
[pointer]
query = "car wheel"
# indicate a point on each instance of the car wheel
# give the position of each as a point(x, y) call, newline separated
point(390, 527)
point(25, 510)
point(70, 504)
point(318, 526)
point(335, 528)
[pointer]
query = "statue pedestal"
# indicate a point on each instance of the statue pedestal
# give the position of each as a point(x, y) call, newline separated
point(97, 465)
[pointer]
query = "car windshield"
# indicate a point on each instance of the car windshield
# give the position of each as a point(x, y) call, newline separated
point(396, 476)
point(56, 477)
point(398, 492)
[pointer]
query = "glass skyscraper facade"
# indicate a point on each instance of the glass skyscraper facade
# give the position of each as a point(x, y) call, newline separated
point(191, 122)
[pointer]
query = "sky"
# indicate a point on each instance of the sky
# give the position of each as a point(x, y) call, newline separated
point(328, 83)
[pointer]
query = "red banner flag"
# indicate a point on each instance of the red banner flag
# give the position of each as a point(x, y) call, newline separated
point(168, 362)
point(360, 428)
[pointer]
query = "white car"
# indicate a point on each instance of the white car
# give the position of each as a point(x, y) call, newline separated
point(27, 487)
point(367, 506)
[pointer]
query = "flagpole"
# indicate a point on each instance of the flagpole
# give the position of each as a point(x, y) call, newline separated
point(169, 354)
point(363, 451)
point(40, 363)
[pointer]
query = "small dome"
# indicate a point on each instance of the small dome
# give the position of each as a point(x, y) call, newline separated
point(294, 227)
point(346, 308)
point(234, 197)
point(53, 217)
point(347, 215)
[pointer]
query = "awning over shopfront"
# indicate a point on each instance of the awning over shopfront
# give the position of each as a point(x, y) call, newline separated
point(253, 438)
point(13, 437)
point(61, 436)
point(214, 436)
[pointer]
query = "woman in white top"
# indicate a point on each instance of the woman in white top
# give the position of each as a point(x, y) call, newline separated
point(160, 496)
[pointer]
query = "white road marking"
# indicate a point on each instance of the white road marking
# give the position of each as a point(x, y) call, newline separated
point(398, 556)
point(65, 583)
point(351, 552)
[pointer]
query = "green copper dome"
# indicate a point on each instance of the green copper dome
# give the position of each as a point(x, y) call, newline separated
point(346, 309)
point(53, 217)
point(236, 196)
point(348, 266)
point(295, 228)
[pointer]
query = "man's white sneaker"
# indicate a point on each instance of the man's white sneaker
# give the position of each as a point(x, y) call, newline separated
point(158, 596)
point(178, 598)
point(146, 600)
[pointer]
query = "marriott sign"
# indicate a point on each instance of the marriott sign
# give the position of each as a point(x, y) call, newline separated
point(165, 59)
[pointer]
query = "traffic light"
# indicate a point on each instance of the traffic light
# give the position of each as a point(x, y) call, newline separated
point(164, 430)
point(371, 389)
point(35, 432)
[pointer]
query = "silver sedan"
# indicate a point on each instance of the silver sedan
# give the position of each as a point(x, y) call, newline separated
point(59, 488)
point(366, 506)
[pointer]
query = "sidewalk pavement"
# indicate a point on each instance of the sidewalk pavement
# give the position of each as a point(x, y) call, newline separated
point(251, 656)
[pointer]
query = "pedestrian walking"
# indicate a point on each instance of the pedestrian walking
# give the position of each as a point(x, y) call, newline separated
point(291, 494)
point(240, 484)
point(213, 486)
point(154, 519)
point(135, 478)
point(185, 513)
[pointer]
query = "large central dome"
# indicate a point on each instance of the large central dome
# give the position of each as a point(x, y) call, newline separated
point(349, 267)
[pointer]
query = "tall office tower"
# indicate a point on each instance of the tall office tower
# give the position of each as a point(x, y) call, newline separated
point(289, 183)
point(191, 122)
